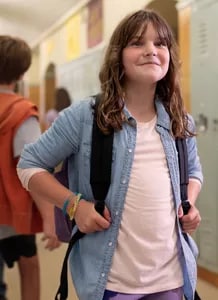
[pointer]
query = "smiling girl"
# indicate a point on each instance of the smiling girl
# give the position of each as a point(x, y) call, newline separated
point(137, 249)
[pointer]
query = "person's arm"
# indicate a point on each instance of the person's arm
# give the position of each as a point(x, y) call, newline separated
point(56, 193)
point(56, 144)
point(28, 132)
point(46, 210)
point(87, 219)
point(61, 140)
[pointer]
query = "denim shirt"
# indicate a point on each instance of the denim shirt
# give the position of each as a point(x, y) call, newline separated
point(70, 136)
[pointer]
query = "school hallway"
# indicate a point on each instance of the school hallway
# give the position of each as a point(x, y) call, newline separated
point(68, 40)
point(50, 264)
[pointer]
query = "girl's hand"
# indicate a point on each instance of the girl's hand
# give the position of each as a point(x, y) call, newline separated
point(89, 220)
point(191, 221)
point(49, 236)
point(51, 242)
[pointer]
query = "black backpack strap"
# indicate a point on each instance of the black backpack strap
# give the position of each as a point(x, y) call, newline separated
point(183, 170)
point(184, 180)
point(196, 296)
point(101, 158)
point(100, 178)
point(62, 292)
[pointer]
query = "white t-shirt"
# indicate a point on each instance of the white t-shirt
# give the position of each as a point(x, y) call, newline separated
point(146, 258)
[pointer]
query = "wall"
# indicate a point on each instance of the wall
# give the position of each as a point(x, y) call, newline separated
point(33, 73)
point(115, 10)
point(52, 50)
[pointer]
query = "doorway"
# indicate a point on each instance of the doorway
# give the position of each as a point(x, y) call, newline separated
point(50, 85)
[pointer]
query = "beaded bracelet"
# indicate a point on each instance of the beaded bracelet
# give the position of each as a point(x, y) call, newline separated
point(66, 203)
point(64, 208)
point(73, 208)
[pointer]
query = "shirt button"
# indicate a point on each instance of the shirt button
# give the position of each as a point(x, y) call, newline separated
point(110, 244)
point(130, 150)
point(123, 181)
point(116, 213)
point(102, 274)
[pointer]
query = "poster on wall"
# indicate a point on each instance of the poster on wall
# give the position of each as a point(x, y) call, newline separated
point(95, 23)
point(73, 26)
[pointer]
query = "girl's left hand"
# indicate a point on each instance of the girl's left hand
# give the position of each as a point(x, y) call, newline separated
point(49, 235)
point(191, 221)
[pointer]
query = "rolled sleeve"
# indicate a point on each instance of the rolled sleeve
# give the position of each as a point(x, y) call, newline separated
point(26, 174)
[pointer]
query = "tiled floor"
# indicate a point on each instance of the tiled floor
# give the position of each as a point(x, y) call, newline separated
point(50, 270)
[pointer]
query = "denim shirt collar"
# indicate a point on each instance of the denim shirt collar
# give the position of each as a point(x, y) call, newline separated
point(163, 118)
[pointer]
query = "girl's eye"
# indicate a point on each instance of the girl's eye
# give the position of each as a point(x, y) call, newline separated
point(136, 43)
point(160, 44)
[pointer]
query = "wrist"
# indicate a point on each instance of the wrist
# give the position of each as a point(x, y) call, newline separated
point(72, 206)
point(68, 201)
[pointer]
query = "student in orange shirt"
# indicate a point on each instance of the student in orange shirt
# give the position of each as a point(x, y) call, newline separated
point(20, 217)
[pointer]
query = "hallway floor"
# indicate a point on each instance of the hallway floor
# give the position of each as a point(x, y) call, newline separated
point(50, 270)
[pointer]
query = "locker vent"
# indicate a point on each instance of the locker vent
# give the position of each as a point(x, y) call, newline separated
point(203, 40)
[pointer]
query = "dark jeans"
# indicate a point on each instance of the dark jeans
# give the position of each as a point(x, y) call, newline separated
point(13, 247)
point(2, 284)
point(175, 294)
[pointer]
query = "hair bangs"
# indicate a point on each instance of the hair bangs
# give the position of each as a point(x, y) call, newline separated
point(135, 26)
point(163, 30)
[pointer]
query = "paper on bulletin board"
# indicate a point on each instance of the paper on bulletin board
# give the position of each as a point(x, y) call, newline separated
point(73, 26)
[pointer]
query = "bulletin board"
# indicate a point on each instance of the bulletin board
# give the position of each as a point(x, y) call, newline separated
point(80, 76)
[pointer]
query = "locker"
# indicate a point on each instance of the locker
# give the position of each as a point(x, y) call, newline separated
point(204, 106)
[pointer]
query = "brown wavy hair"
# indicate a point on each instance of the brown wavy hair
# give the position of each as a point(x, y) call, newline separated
point(15, 58)
point(110, 111)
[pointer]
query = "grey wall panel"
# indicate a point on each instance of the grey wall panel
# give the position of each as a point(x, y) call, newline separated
point(204, 100)
point(80, 76)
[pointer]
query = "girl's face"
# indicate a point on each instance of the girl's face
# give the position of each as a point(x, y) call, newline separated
point(146, 58)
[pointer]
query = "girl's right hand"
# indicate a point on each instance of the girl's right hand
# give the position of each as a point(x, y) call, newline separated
point(88, 220)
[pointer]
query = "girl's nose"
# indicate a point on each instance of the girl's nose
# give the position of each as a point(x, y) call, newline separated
point(150, 50)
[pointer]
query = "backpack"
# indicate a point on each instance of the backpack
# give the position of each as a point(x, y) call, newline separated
point(100, 178)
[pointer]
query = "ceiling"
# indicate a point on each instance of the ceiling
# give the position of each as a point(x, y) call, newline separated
point(28, 19)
